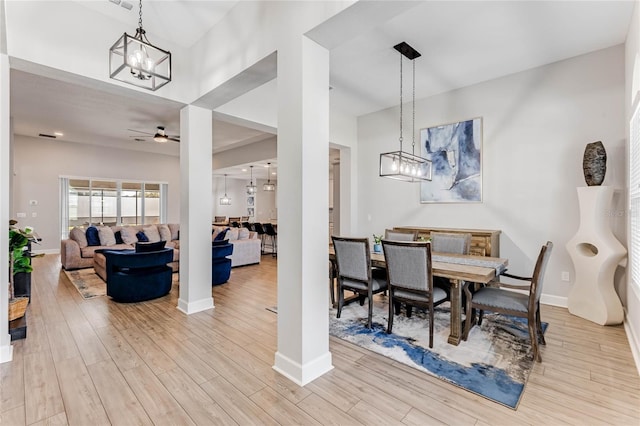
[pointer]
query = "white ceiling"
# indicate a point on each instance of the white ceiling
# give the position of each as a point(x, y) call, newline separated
point(462, 43)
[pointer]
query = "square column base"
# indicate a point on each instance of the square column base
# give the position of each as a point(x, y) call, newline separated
point(302, 374)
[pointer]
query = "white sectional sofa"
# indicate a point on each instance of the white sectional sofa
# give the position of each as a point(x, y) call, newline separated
point(246, 244)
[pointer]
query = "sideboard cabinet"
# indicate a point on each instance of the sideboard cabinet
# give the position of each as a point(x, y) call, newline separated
point(484, 242)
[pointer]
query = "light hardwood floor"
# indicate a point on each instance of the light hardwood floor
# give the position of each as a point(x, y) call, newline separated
point(92, 362)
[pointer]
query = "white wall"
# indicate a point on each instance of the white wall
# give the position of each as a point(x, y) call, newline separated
point(536, 125)
point(39, 163)
point(631, 293)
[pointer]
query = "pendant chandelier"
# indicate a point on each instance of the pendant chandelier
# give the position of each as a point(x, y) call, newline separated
point(225, 201)
point(268, 186)
point(401, 165)
point(251, 188)
point(136, 61)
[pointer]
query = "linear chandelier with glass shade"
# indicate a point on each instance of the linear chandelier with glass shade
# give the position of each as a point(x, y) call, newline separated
point(268, 186)
point(136, 61)
point(225, 201)
point(402, 165)
point(251, 188)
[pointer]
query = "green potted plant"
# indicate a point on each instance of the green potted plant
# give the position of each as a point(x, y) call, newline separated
point(377, 243)
point(20, 260)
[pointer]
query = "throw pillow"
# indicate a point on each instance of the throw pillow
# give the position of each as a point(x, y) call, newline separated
point(129, 235)
point(232, 234)
point(93, 239)
point(142, 237)
point(118, 236)
point(78, 235)
point(107, 238)
point(147, 247)
point(152, 233)
point(165, 232)
point(221, 235)
point(243, 234)
point(219, 243)
point(175, 231)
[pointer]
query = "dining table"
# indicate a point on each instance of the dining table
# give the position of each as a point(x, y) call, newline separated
point(458, 269)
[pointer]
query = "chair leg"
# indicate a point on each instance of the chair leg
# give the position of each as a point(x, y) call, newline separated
point(340, 300)
point(468, 321)
point(430, 328)
point(397, 307)
point(534, 339)
point(361, 300)
point(370, 312)
point(480, 314)
point(392, 305)
point(409, 310)
point(539, 326)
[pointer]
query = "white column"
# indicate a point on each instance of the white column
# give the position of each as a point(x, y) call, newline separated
point(6, 350)
point(195, 209)
point(303, 210)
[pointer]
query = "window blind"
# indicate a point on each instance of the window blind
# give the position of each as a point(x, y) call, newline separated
point(634, 196)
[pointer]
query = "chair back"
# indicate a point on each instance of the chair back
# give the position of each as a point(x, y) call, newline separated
point(352, 258)
point(444, 242)
point(219, 219)
point(247, 225)
point(408, 265)
point(234, 219)
point(538, 274)
point(269, 229)
point(396, 235)
point(257, 226)
point(244, 219)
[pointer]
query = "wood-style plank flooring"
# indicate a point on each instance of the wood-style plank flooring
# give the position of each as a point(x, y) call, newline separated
point(94, 362)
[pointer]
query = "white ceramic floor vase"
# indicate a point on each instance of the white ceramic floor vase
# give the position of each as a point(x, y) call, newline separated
point(595, 253)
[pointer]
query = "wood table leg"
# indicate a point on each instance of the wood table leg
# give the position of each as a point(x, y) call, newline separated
point(456, 312)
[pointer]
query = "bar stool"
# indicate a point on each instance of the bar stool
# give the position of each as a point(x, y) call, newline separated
point(257, 226)
point(271, 232)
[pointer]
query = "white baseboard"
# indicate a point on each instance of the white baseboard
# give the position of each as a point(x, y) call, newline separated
point(6, 353)
point(634, 342)
point(549, 299)
point(195, 307)
point(302, 374)
point(46, 251)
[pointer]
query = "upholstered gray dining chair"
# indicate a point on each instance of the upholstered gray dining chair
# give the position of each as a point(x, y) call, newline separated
point(410, 278)
point(354, 272)
point(513, 303)
point(397, 235)
point(444, 242)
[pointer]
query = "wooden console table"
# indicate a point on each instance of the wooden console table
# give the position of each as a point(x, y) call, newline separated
point(484, 242)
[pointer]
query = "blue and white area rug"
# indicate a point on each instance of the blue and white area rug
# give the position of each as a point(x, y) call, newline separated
point(494, 362)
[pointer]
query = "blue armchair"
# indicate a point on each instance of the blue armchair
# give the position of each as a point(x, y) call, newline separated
point(220, 263)
point(135, 277)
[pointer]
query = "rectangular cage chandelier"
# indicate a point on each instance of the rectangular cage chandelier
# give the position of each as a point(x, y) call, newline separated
point(136, 61)
point(402, 165)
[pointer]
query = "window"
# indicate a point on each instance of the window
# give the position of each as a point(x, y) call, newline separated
point(86, 201)
point(634, 196)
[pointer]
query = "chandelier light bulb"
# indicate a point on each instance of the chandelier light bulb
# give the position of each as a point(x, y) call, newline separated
point(394, 165)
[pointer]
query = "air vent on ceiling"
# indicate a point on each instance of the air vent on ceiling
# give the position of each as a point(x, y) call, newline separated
point(44, 135)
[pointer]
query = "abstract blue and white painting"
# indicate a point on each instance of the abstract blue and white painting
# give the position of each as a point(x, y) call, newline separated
point(455, 151)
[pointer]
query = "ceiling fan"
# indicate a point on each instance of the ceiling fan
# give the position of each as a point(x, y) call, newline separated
point(160, 136)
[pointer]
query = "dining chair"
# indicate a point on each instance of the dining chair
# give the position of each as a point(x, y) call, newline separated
point(444, 242)
point(354, 272)
point(271, 237)
point(395, 235)
point(514, 303)
point(244, 219)
point(220, 219)
point(257, 226)
point(410, 279)
point(234, 221)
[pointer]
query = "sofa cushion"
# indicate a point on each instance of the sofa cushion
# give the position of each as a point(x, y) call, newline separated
point(118, 235)
point(151, 246)
point(142, 237)
point(78, 235)
point(165, 232)
point(152, 233)
point(219, 243)
point(90, 250)
point(93, 239)
point(129, 235)
point(106, 235)
point(221, 235)
point(232, 234)
point(243, 234)
point(175, 231)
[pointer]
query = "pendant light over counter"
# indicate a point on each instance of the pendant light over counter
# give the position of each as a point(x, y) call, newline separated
point(251, 188)
point(401, 165)
point(268, 186)
point(225, 201)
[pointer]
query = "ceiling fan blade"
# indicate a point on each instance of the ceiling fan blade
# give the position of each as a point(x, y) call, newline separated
point(139, 136)
point(140, 131)
point(175, 139)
